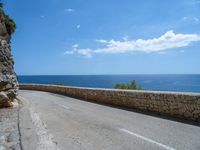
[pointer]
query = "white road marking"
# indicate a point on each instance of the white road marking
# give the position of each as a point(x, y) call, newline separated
point(45, 138)
point(147, 139)
point(66, 107)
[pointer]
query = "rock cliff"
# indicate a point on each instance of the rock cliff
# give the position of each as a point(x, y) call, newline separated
point(8, 78)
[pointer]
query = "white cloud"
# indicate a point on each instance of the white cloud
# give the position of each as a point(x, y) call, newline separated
point(84, 52)
point(69, 10)
point(101, 41)
point(78, 26)
point(190, 19)
point(75, 46)
point(196, 19)
point(162, 52)
point(125, 38)
point(69, 52)
point(167, 41)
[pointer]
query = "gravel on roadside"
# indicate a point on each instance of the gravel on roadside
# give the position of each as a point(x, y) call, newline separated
point(9, 131)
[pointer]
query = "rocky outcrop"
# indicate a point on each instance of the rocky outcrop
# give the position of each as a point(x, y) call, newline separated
point(8, 78)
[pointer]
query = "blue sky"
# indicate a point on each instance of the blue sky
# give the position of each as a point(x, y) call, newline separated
point(105, 36)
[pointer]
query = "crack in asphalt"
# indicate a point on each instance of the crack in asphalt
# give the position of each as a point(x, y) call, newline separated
point(18, 124)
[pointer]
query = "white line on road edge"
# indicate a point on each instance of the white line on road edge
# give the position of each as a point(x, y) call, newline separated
point(45, 139)
point(147, 139)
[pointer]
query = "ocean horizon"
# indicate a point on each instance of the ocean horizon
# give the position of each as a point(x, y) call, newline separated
point(156, 82)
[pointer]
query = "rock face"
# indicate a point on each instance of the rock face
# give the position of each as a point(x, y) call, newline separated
point(8, 78)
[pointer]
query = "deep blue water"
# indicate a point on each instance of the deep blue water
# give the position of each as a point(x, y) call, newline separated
point(184, 83)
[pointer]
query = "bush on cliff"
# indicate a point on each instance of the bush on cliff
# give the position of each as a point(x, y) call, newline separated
point(132, 86)
point(10, 24)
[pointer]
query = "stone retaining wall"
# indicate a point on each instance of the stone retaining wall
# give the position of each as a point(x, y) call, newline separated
point(182, 105)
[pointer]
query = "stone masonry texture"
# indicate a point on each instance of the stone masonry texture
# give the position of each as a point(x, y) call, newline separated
point(175, 104)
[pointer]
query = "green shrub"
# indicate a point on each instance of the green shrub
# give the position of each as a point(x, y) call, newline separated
point(132, 86)
point(61, 84)
point(10, 24)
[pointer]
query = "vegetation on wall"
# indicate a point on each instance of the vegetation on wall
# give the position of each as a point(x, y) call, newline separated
point(10, 24)
point(132, 86)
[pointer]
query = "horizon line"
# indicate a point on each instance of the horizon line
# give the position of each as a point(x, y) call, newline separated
point(109, 74)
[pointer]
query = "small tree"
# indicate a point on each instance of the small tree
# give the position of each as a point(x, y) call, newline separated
point(132, 86)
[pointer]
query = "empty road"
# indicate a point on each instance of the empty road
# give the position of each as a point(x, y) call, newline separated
point(54, 122)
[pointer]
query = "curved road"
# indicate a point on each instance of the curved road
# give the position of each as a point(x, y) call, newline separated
point(54, 122)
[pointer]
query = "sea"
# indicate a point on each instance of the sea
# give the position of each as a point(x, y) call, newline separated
point(180, 82)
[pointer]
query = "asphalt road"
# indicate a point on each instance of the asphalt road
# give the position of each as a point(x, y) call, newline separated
point(55, 122)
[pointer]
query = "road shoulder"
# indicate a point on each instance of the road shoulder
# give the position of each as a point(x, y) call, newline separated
point(9, 129)
point(29, 138)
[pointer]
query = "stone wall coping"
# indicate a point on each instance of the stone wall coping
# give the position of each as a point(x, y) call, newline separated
point(117, 90)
